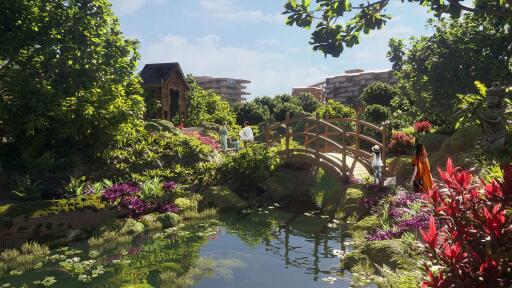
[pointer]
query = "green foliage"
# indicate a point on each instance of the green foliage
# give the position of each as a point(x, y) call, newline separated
point(35, 209)
point(75, 187)
point(377, 114)
point(249, 168)
point(169, 219)
point(149, 155)
point(109, 240)
point(24, 259)
point(251, 112)
point(159, 125)
point(470, 106)
point(25, 189)
point(378, 93)
point(335, 110)
point(430, 78)
point(339, 24)
point(206, 106)
point(267, 102)
point(308, 102)
point(286, 107)
point(80, 91)
point(151, 189)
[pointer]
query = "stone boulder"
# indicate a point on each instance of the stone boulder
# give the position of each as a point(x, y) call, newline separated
point(131, 226)
point(386, 252)
point(169, 219)
point(223, 198)
point(432, 142)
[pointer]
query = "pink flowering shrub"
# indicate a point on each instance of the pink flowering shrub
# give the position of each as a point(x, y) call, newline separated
point(401, 143)
point(423, 127)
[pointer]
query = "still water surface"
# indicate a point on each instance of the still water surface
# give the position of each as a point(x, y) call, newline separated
point(265, 248)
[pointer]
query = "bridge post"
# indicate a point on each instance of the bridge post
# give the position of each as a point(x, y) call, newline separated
point(358, 127)
point(267, 134)
point(384, 145)
point(326, 132)
point(306, 137)
point(287, 127)
point(317, 138)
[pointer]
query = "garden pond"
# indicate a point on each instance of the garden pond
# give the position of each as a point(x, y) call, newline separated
point(267, 247)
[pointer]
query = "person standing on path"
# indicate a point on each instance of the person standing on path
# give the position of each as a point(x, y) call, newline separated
point(223, 132)
point(246, 134)
point(377, 165)
point(421, 178)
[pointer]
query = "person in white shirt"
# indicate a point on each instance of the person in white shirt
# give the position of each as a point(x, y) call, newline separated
point(377, 164)
point(246, 134)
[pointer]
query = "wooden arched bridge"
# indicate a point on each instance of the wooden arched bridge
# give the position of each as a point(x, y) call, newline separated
point(339, 145)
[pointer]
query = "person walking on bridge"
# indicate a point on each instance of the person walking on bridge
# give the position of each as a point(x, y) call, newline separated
point(377, 165)
point(421, 178)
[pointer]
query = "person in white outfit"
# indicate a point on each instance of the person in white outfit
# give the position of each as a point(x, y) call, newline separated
point(377, 164)
point(246, 134)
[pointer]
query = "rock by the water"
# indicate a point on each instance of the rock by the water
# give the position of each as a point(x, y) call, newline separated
point(169, 219)
point(223, 198)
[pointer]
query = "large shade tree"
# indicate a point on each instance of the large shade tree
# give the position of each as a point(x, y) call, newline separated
point(340, 23)
point(435, 69)
point(67, 76)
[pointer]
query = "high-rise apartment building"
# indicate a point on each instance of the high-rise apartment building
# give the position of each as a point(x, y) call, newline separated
point(231, 90)
point(346, 88)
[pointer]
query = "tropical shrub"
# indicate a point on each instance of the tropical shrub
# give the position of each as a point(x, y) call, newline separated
point(251, 112)
point(286, 107)
point(308, 102)
point(83, 94)
point(378, 93)
point(249, 168)
point(151, 155)
point(468, 240)
point(206, 106)
point(401, 143)
point(422, 127)
point(377, 114)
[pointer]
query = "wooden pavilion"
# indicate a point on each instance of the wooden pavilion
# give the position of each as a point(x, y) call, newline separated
point(167, 83)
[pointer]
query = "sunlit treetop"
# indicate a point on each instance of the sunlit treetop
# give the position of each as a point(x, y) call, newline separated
point(339, 23)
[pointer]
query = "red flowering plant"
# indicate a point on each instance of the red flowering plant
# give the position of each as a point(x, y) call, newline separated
point(208, 141)
point(401, 143)
point(423, 127)
point(471, 246)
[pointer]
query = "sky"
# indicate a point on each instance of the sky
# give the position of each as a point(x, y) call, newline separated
point(248, 39)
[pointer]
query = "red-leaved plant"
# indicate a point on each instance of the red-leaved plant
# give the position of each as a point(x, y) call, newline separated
point(472, 244)
point(401, 143)
point(423, 126)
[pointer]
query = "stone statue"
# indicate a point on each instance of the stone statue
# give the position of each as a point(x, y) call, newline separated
point(493, 119)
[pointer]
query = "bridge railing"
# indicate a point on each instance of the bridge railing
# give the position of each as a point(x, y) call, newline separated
point(324, 136)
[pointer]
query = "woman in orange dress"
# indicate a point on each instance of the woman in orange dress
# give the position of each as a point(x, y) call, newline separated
point(421, 178)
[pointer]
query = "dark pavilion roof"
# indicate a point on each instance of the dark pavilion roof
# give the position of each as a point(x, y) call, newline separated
point(156, 74)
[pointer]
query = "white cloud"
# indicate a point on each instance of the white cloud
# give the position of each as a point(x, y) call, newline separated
point(226, 9)
point(129, 7)
point(270, 72)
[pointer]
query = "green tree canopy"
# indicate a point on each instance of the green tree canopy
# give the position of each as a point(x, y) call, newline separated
point(206, 106)
point(339, 24)
point(335, 109)
point(265, 101)
point(286, 107)
point(308, 102)
point(67, 76)
point(252, 112)
point(435, 69)
point(378, 93)
point(376, 114)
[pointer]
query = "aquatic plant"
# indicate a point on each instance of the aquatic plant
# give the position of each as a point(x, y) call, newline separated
point(109, 240)
point(24, 259)
point(206, 213)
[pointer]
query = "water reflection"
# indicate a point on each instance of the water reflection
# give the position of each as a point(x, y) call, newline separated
point(283, 249)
